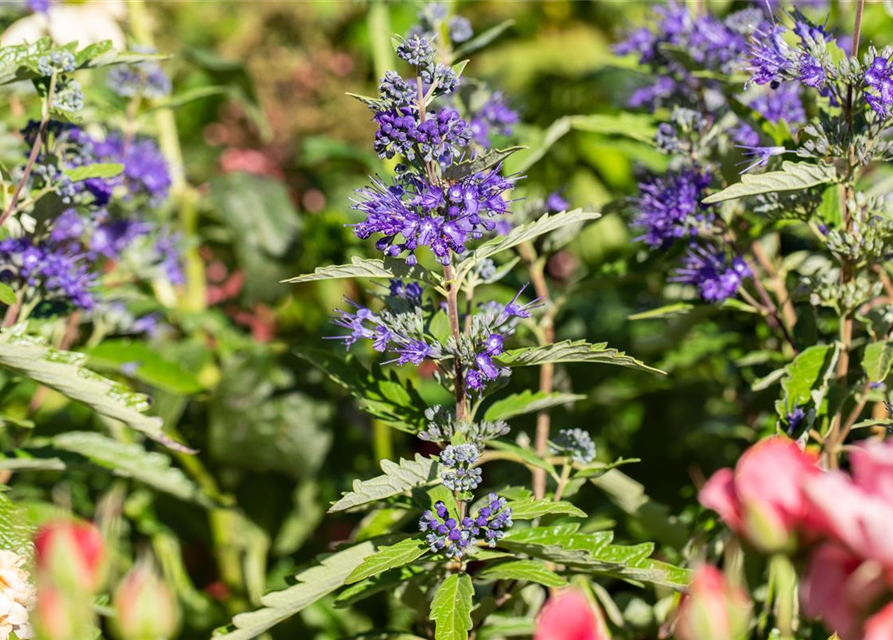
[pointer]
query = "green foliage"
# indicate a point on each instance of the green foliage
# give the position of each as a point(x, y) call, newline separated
point(572, 351)
point(526, 570)
point(794, 176)
point(397, 479)
point(96, 170)
point(519, 404)
point(389, 557)
point(531, 509)
point(877, 359)
point(451, 608)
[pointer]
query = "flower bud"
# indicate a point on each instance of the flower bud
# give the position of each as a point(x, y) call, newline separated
point(145, 606)
point(712, 609)
point(570, 615)
point(71, 555)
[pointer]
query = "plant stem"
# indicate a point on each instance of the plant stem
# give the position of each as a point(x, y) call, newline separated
point(562, 482)
point(453, 314)
point(547, 371)
point(35, 151)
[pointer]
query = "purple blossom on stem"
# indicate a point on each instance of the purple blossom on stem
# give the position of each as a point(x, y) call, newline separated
point(879, 79)
point(146, 171)
point(556, 203)
point(441, 137)
point(769, 56)
point(669, 207)
point(708, 270)
point(58, 273)
point(759, 156)
point(495, 117)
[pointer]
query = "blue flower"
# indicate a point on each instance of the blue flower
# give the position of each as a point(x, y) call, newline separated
point(669, 207)
point(575, 444)
point(146, 171)
point(759, 156)
point(708, 270)
point(879, 79)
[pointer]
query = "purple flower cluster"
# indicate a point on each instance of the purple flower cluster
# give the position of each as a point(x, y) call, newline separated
point(670, 208)
point(413, 213)
point(440, 137)
point(58, 273)
point(715, 44)
point(772, 60)
point(145, 168)
point(879, 79)
point(709, 270)
point(495, 117)
point(364, 324)
point(146, 79)
point(453, 537)
point(575, 444)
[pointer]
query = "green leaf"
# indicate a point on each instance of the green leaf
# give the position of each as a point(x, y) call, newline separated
point(482, 39)
point(397, 479)
point(386, 558)
point(382, 395)
point(571, 351)
point(512, 451)
point(440, 327)
point(132, 461)
point(792, 177)
point(367, 268)
point(145, 364)
point(312, 584)
point(640, 127)
point(376, 104)
point(806, 378)
point(877, 359)
point(531, 508)
point(64, 372)
point(597, 469)
point(451, 608)
point(15, 534)
point(526, 232)
point(187, 97)
point(481, 163)
point(97, 170)
point(527, 570)
point(519, 404)
point(383, 582)
point(667, 311)
point(7, 295)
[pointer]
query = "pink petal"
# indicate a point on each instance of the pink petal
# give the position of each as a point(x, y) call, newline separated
point(880, 625)
point(719, 495)
point(568, 616)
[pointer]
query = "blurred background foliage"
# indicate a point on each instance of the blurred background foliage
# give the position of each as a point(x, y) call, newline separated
point(274, 149)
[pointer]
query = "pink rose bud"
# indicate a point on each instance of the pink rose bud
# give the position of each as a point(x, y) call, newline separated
point(570, 616)
point(763, 498)
point(71, 555)
point(145, 606)
point(712, 609)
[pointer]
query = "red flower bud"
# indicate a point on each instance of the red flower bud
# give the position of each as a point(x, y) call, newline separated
point(71, 556)
point(145, 606)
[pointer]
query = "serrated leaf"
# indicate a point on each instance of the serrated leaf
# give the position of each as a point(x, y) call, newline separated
point(483, 39)
point(313, 584)
point(792, 177)
point(571, 351)
point(877, 359)
point(451, 608)
point(531, 508)
point(15, 534)
point(524, 233)
point(481, 163)
point(7, 295)
point(64, 372)
point(366, 268)
point(527, 570)
point(806, 377)
point(376, 104)
point(132, 461)
point(382, 395)
point(397, 479)
point(666, 311)
point(96, 170)
point(519, 404)
point(382, 582)
point(391, 557)
point(598, 469)
point(512, 451)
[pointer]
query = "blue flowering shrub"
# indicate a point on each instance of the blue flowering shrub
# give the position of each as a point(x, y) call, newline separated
point(557, 263)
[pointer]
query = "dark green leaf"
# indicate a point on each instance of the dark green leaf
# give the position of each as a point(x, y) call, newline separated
point(526, 570)
point(451, 608)
point(387, 558)
point(519, 404)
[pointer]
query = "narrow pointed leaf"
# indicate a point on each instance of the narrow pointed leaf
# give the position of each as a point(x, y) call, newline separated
point(451, 608)
point(397, 479)
point(519, 404)
point(793, 176)
point(366, 268)
point(572, 351)
point(531, 508)
point(526, 570)
point(387, 558)
point(482, 162)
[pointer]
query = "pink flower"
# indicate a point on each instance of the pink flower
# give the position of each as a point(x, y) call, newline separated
point(838, 588)
point(880, 625)
point(72, 554)
point(762, 499)
point(570, 616)
point(713, 609)
point(858, 511)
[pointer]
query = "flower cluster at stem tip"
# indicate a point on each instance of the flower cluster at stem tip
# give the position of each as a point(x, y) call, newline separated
point(454, 537)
